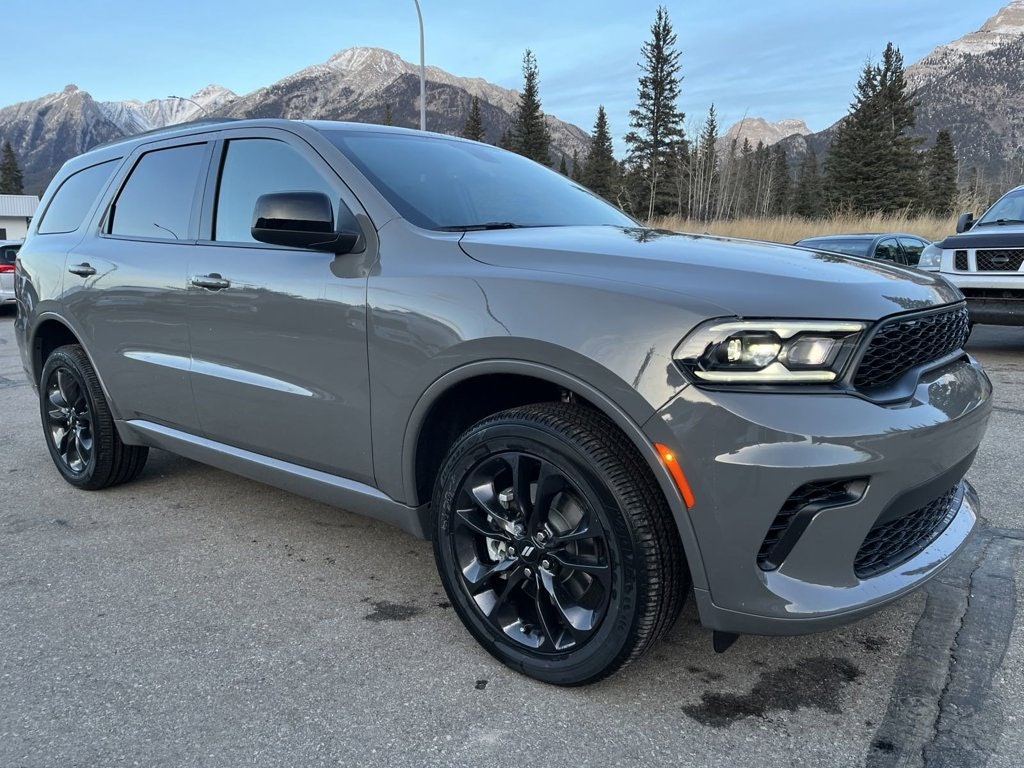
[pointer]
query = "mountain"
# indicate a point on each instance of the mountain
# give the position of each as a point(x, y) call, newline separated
point(357, 84)
point(973, 87)
point(1002, 29)
point(757, 129)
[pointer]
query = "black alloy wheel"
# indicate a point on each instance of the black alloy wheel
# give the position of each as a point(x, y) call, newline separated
point(554, 543)
point(78, 426)
point(68, 419)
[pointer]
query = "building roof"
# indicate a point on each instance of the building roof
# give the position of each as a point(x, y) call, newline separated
point(18, 205)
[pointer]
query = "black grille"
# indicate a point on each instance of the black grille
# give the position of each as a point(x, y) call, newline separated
point(810, 496)
point(893, 542)
point(960, 261)
point(904, 342)
point(999, 261)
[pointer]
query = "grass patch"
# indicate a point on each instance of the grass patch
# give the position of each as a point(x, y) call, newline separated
point(789, 229)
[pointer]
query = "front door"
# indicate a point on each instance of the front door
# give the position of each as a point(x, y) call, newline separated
point(278, 335)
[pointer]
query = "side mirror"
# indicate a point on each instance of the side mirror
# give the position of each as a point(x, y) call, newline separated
point(299, 220)
point(965, 222)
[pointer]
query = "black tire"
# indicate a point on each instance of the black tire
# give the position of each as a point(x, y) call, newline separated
point(585, 576)
point(78, 427)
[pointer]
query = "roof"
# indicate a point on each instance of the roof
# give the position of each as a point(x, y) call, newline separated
point(19, 206)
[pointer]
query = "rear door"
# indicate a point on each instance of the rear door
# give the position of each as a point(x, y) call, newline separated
point(278, 335)
point(125, 287)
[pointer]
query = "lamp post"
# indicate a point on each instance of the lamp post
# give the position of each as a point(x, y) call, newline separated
point(423, 73)
point(193, 101)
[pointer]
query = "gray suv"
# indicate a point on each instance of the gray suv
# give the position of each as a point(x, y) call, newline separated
point(587, 417)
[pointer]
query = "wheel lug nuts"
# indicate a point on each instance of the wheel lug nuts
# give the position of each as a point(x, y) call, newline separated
point(545, 564)
point(541, 536)
point(511, 551)
point(528, 572)
point(518, 530)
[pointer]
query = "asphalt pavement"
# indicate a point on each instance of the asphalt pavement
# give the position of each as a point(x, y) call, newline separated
point(194, 618)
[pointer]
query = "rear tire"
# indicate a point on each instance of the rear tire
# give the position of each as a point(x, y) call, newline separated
point(78, 426)
point(555, 544)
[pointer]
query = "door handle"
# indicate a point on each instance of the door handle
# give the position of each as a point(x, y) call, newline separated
point(82, 270)
point(212, 281)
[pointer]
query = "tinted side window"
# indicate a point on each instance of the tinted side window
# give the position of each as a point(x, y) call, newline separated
point(888, 250)
point(74, 198)
point(157, 199)
point(254, 167)
point(912, 248)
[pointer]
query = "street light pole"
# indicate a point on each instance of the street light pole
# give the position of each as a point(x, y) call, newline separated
point(193, 101)
point(423, 73)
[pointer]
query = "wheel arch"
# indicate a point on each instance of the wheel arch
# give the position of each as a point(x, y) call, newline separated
point(422, 454)
point(51, 331)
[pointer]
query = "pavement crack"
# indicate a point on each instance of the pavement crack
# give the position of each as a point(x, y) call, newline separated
point(942, 710)
point(943, 698)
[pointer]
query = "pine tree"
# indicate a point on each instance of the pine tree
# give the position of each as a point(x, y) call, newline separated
point(873, 164)
point(940, 176)
point(530, 134)
point(474, 127)
point(600, 169)
point(808, 199)
point(389, 118)
point(11, 180)
point(507, 141)
point(656, 122)
point(562, 167)
point(576, 169)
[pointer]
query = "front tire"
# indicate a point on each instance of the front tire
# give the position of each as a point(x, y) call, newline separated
point(554, 543)
point(78, 425)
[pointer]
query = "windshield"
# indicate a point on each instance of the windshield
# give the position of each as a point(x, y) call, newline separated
point(1009, 209)
point(446, 184)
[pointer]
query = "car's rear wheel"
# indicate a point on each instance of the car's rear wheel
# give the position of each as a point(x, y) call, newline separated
point(554, 543)
point(78, 425)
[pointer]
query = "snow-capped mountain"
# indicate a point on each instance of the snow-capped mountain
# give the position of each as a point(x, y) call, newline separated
point(1002, 29)
point(358, 84)
point(137, 116)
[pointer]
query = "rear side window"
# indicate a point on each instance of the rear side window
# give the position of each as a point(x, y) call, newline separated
point(157, 200)
point(74, 198)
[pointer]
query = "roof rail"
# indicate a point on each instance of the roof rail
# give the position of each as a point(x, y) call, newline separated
point(167, 129)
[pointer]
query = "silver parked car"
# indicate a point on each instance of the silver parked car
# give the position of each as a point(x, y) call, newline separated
point(8, 256)
point(587, 417)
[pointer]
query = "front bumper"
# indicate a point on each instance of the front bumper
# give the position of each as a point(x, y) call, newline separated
point(992, 297)
point(745, 453)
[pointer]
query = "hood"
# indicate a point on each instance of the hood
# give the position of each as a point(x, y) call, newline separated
point(999, 236)
point(749, 278)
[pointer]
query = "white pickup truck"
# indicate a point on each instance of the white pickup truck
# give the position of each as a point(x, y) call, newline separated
point(985, 260)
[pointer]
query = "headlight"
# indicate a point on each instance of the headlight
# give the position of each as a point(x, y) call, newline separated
point(768, 351)
point(931, 258)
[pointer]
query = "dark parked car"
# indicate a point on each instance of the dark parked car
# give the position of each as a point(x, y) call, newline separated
point(588, 417)
point(897, 247)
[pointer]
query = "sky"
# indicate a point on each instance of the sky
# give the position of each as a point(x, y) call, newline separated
point(758, 58)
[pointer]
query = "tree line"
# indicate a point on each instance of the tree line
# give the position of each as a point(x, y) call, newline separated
point(874, 164)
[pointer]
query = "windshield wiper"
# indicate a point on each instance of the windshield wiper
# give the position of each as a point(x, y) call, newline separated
point(1000, 222)
point(481, 227)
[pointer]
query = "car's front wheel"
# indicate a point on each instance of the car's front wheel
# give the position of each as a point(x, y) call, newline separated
point(78, 425)
point(554, 543)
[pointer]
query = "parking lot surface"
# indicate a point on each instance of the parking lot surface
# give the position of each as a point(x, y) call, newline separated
point(197, 618)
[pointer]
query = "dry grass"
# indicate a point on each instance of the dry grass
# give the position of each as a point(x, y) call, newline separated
point(789, 229)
